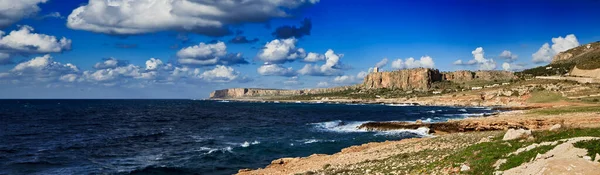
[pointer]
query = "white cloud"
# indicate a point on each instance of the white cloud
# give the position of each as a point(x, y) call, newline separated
point(344, 79)
point(330, 68)
point(40, 69)
point(409, 63)
point(322, 84)
point(153, 64)
point(281, 51)
point(508, 56)
point(314, 57)
point(560, 44)
point(109, 63)
point(292, 81)
point(276, 70)
point(362, 74)
point(512, 66)
point(382, 63)
point(24, 41)
point(12, 11)
point(479, 60)
point(209, 55)
point(220, 74)
point(398, 64)
point(209, 17)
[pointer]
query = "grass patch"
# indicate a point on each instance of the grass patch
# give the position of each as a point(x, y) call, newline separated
point(516, 160)
point(565, 110)
point(545, 97)
point(592, 146)
point(481, 157)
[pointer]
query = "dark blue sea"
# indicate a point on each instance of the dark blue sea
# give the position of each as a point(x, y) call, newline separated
point(187, 136)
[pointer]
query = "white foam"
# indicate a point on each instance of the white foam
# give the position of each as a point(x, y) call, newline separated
point(247, 144)
point(432, 111)
point(340, 126)
point(421, 132)
point(399, 104)
point(309, 141)
point(212, 150)
point(223, 101)
point(462, 110)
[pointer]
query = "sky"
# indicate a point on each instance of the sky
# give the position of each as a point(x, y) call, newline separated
point(187, 48)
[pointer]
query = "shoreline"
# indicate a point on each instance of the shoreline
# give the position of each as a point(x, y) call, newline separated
point(518, 117)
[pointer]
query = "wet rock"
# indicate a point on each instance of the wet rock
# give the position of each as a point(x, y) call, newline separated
point(244, 170)
point(513, 134)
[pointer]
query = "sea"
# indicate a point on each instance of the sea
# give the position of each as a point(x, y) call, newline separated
point(189, 136)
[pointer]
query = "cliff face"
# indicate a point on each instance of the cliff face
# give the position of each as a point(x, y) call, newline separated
point(255, 92)
point(419, 79)
point(594, 73)
point(408, 79)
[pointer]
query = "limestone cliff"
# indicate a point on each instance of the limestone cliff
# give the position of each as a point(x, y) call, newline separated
point(577, 54)
point(407, 79)
point(419, 79)
point(257, 92)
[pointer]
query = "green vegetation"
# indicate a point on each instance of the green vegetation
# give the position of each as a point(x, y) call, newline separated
point(545, 97)
point(481, 157)
point(557, 69)
point(589, 61)
point(517, 160)
point(592, 146)
point(565, 110)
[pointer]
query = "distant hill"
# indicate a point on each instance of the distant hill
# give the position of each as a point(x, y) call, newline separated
point(584, 57)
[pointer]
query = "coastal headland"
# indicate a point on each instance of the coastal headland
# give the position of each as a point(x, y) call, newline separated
point(549, 125)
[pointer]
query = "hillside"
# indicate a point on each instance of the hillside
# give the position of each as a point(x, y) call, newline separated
point(584, 57)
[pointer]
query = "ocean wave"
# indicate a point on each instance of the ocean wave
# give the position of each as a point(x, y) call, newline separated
point(462, 110)
point(347, 127)
point(400, 104)
point(309, 141)
point(419, 132)
point(247, 144)
point(208, 150)
point(340, 126)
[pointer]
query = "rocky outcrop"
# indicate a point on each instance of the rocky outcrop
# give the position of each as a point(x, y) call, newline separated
point(257, 92)
point(422, 78)
point(572, 55)
point(492, 75)
point(407, 79)
point(459, 76)
point(594, 73)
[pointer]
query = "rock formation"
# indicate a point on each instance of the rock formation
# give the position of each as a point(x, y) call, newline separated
point(407, 79)
point(257, 92)
point(419, 79)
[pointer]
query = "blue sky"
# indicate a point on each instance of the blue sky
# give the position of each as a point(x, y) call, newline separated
point(292, 44)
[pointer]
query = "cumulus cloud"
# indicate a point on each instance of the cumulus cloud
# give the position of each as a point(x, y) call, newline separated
point(113, 72)
point(41, 69)
point(332, 66)
point(409, 63)
point(479, 60)
point(24, 41)
point(281, 51)
point(13, 11)
point(382, 63)
point(209, 55)
point(220, 74)
point(508, 56)
point(322, 84)
point(276, 70)
point(512, 66)
point(314, 57)
point(285, 32)
point(292, 81)
point(242, 40)
point(208, 17)
point(559, 44)
point(110, 63)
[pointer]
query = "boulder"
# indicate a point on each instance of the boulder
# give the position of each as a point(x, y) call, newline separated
point(283, 161)
point(513, 134)
point(464, 167)
point(555, 127)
